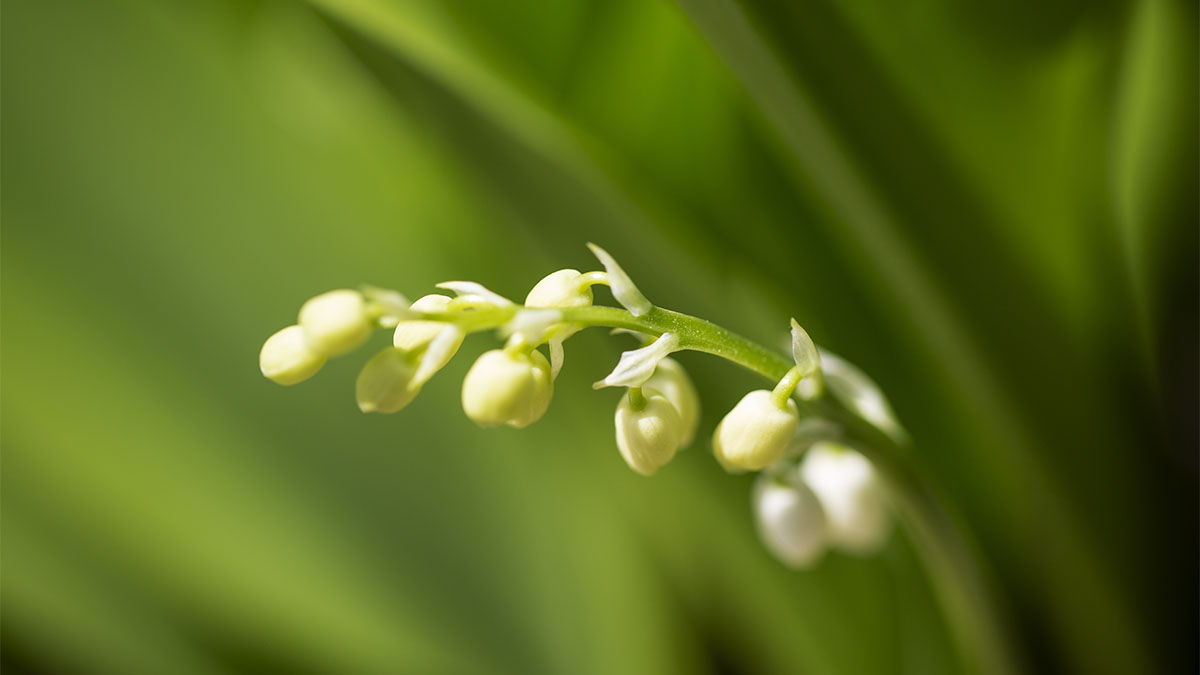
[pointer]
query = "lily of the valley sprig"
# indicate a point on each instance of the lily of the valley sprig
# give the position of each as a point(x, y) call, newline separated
point(812, 494)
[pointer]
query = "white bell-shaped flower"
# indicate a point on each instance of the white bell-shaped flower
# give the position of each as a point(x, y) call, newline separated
point(286, 357)
point(385, 384)
point(851, 494)
point(790, 520)
point(559, 290)
point(335, 322)
point(648, 430)
point(755, 433)
point(672, 380)
point(505, 388)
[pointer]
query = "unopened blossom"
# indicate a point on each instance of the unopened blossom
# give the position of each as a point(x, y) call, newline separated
point(559, 290)
point(790, 520)
point(648, 430)
point(507, 388)
point(335, 322)
point(287, 358)
point(851, 494)
point(755, 433)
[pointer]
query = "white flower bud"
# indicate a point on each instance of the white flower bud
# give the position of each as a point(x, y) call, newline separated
point(287, 359)
point(385, 384)
point(647, 435)
point(672, 380)
point(755, 433)
point(851, 495)
point(790, 520)
point(416, 334)
point(559, 290)
point(503, 388)
point(335, 322)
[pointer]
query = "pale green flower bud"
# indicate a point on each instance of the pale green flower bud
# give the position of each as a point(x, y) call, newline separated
point(385, 383)
point(335, 322)
point(648, 430)
point(755, 433)
point(851, 495)
point(416, 334)
point(790, 520)
point(672, 380)
point(504, 388)
point(286, 357)
point(559, 290)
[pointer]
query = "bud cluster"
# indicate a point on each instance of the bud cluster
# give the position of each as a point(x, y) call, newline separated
point(830, 498)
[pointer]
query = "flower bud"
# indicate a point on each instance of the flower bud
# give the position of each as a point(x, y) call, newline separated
point(504, 388)
point(790, 520)
point(648, 431)
point(851, 495)
point(755, 433)
point(672, 380)
point(335, 322)
point(384, 384)
point(559, 290)
point(287, 359)
point(416, 334)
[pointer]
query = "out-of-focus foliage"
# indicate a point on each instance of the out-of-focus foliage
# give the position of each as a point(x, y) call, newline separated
point(990, 207)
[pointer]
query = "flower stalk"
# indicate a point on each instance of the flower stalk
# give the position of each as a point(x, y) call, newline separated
point(816, 397)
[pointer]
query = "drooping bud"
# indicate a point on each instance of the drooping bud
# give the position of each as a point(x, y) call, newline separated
point(286, 358)
point(790, 520)
point(648, 430)
point(335, 322)
point(385, 384)
point(504, 388)
point(755, 433)
point(672, 380)
point(559, 290)
point(851, 495)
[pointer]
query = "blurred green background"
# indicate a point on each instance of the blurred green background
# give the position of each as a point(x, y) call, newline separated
point(991, 207)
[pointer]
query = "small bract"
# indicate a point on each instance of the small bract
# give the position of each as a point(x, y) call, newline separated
point(335, 322)
point(851, 495)
point(648, 430)
point(286, 357)
point(505, 388)
point(755, 433)
point(790, 520)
